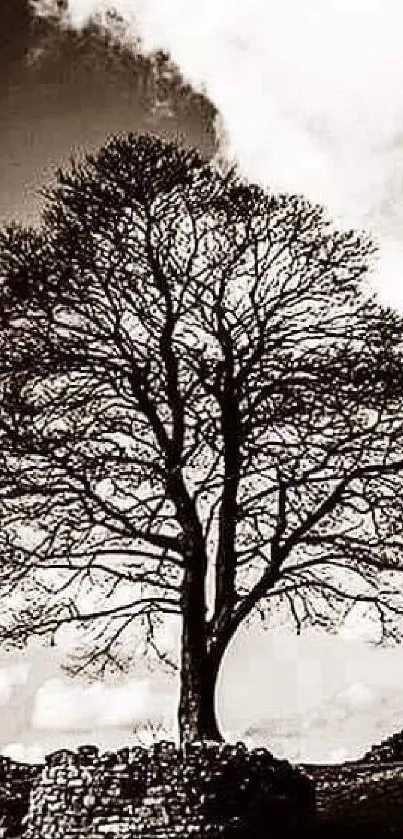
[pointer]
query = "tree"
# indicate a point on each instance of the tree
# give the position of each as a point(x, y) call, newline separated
point(201, 415)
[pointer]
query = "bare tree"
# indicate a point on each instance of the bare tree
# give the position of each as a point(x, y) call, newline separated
point(201, 416)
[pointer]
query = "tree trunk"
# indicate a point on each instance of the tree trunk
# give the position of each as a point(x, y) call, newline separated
point(199, 665)
point(200, 660)
point(197, 718)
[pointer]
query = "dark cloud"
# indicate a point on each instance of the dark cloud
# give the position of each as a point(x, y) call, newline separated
point(15, 25)
point(62, 91)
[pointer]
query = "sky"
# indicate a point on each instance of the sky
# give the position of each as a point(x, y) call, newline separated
point(310, 97)
point(304, 96)
point(63, 91)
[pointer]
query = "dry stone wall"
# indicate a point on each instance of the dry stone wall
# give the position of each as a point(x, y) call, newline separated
point(16, 781)
point(389, 750)
point(365, 799)
point(207, 790)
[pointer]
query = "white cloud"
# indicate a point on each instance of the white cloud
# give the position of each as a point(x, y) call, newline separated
point(357, 696)
point(5, 687)
point(14, 674)
point(60, 705)
point(358, 626)
point(319, 82)
point(389, 276)
point(310, 94)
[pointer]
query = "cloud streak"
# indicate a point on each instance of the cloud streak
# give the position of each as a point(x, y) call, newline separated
point(67, 706)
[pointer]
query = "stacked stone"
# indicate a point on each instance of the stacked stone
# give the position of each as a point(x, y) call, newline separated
point(330, 783)
point(230, 784)
point(390, 750)
point(80, 791)
point(217, 791)
point(209, 790)
point(119, 787)
point(16, 780)
point(61, 800)
point(356, 794)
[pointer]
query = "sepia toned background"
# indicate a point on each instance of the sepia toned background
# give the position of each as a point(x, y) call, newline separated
point(303, 98)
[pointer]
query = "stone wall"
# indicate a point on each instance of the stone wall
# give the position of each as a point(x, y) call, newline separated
point(207, 790)
point(389, 750)
point(16, 781)
point(359, 799)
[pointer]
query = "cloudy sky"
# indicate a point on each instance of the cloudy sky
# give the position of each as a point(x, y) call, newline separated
point(304, 96)
point(64, 90)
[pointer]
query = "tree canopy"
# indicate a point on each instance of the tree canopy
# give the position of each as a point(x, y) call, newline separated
point(201, 415)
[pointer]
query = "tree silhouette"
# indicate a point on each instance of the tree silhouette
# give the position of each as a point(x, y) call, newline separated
point(201, 416)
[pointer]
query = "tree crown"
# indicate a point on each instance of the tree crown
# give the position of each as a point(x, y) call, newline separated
point(195, 381)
